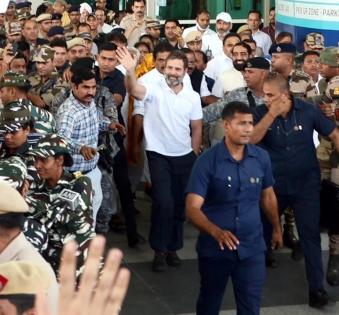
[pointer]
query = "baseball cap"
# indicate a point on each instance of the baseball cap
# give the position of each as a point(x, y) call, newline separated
point(224, 16)
point(51, 145)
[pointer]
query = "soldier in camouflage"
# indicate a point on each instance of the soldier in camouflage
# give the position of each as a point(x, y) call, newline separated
point(14, 87)
point(62, 201)
point(46, 84)
point(255, 72)
point(283, 57)
point(326, 153)
point(107, 109)
point(13, 171)
point(15, 126)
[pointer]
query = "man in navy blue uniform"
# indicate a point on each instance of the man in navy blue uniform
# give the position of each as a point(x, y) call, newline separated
point(284, 127)
point(227, 184)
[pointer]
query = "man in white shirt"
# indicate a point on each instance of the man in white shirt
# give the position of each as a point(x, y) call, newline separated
point(233, 78)
point(210, 39)
point(223, 62)
point(172, 128)
point(262, 39)
point(101, 17)
point(223, 25)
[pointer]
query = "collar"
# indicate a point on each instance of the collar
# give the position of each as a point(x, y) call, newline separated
point(12, 250)
point(297, 103)
point(20, 151)
point(66, 177)
point(223, 153)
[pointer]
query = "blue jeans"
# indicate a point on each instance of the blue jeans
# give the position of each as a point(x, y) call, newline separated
point(248, 276)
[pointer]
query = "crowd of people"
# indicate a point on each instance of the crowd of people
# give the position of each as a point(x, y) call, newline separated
point(232, 130)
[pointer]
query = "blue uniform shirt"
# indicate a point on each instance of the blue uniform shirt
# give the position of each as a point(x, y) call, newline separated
point(232, 190)
point(289, 143)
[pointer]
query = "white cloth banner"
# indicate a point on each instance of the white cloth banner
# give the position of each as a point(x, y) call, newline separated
point(3, 6)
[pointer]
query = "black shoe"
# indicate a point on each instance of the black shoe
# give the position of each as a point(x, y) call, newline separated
point(289, 238)
point(159, 262)
point(332, 274)
point(297, 253)
point(271, 260)
point(173, 259)
point(319, 298)
point(135, 240)
point(117, 225)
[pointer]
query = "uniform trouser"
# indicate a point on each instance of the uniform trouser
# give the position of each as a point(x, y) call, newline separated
point(123, 185)
point(306, 206)
point(169, 176)
point(95, 177)
point(248, 276)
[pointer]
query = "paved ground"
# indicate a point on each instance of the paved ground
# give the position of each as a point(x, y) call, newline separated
point(175, 291)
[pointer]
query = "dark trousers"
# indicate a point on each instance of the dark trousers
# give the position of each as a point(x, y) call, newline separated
point(248, 276)
point(169, 176)
point(120, 175)
point(306, 206)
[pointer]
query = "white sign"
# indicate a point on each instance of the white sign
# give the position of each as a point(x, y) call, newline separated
point(3, 6)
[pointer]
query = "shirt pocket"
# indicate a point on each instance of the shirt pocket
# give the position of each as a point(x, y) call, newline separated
point(224, 189)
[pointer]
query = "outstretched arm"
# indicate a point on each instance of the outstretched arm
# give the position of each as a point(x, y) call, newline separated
point(129, 63)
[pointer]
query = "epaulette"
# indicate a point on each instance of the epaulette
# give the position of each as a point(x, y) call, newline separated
point(301, 74)
point(77, 174)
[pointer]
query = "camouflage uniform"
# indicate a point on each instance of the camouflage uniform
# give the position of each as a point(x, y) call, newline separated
point(48, 89)
point(43, 121)
point(301, 84)
point(106, 108)
point(13, 170)
point(212, 112)
point(64, 219)
point(12, 118)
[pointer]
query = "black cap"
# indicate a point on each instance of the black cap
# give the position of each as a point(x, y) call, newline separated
point(23, 5)
point(258, 63)
point(82, 63)
point(56, 16)
point(74, 8)
point(56, 30)
point(283, 48)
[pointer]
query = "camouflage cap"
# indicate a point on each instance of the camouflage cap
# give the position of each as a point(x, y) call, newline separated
point(13, 28)
point(51, 145)
point(22, 14)
point(13, 116)
point(315, 40)
point(10, 200)
point(330, 56)
point(43, 54)
point(13, 171)
point(194, 36)
point(14, 79)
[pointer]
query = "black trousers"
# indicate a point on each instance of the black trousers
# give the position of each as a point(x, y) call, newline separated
point(120, 175)
point(169, 176)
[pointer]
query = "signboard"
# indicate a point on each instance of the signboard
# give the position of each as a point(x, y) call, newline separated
point(301, 17)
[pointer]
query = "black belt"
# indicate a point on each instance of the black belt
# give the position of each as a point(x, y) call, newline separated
point(84, 172)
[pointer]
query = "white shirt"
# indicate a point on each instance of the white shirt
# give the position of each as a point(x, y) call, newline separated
point(210, 40)
point(204, 91)
point(218, 65)
point(106, 28)
point(228, 81)
point(167, 118)
point(154, 77)
point(263, 40)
